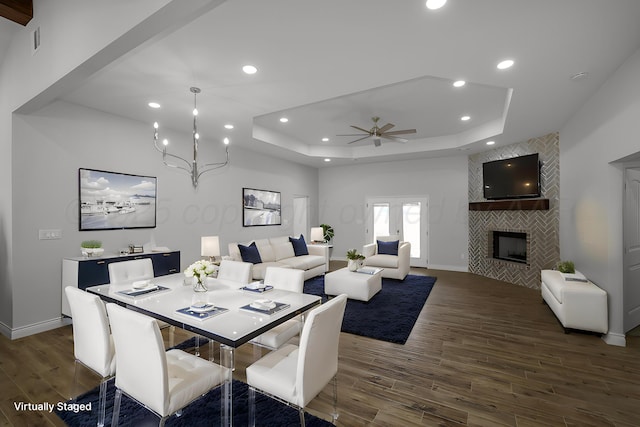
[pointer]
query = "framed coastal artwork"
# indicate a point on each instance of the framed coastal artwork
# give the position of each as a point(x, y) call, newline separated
point(260, 207)
point(115, 200)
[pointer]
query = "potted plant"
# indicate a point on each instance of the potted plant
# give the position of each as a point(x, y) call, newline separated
point(327, 230)
point(566, 267)
point(354, 259)
point(91, 248)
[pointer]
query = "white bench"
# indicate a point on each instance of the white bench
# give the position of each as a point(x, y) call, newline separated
point(577, 305)
point(358, 286)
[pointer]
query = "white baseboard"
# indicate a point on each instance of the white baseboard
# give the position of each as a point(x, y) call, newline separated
point(615, 339)
point(36, 328)
point(461, 268)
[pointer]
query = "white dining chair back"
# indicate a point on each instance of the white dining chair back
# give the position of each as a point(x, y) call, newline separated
point(297, 374)
point(92, 343)
point(288, 279)
point(164, 382)
point(130, 271)
point(235, 271)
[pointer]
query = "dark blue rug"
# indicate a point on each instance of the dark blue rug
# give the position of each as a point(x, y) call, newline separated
point(390, 314)
point(203, 412)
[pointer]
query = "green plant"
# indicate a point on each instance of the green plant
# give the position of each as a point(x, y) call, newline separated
point(353, 254)
point(91, 244)
point(328, 231)
point(566, 267)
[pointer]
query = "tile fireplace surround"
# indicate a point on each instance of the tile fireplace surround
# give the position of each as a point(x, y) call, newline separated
point(541, 226)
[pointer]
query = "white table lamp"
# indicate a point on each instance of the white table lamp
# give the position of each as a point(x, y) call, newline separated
point(317, 234)
point(210, 246)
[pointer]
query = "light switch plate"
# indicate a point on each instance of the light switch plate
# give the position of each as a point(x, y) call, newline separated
point(52, 234)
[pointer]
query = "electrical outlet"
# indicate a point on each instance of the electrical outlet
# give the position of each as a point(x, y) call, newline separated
point(53, 234)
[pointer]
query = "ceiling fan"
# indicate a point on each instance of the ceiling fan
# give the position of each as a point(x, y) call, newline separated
point(377, 133)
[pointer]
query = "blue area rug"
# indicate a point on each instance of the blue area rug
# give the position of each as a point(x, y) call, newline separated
point(203, 412)
point(390, 314)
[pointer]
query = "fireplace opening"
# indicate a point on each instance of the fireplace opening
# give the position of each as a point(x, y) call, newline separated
point(510, 246)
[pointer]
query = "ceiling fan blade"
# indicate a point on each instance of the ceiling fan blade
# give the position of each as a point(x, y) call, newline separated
point(359, 139)
point(362, 130)
point(394, 138)
point(352, 134)
point(385, 128)
point(400, 132)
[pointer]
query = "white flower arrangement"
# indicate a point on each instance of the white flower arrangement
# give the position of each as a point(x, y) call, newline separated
point(200, 269)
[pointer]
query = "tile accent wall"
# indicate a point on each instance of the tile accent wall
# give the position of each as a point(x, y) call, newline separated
point(541, 226)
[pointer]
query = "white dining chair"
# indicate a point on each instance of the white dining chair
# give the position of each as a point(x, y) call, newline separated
point(234, 273)
point(297, 374)
point(135, 270)
point(288, 279)
point(162, 381)
point(92, 343)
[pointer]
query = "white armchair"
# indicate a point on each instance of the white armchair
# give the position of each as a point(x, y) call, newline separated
point(394, 266)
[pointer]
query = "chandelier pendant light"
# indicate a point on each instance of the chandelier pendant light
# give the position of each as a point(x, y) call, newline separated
point(191, 167)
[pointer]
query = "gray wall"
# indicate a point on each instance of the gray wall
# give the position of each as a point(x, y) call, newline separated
point(52, 144)
point(344, 189)
point(603, 131)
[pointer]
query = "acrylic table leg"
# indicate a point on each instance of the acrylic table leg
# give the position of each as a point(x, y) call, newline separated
point(226, 360)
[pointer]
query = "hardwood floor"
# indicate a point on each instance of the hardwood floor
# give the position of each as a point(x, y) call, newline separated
point(482, 353)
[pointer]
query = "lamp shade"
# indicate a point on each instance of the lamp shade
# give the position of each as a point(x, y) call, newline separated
point(210, 246)
point(317, 234)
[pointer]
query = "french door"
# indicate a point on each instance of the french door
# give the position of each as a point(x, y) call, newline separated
point(406, 217)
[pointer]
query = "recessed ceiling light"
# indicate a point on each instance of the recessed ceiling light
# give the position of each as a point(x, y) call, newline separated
point(249, 69)
point(490, 142)
point(327, 160)
point(153, 105)
point(283, 120)
point(325, 139)
point(435, 4)
point(228, 126)
point(459, 83)
point(507, 63)
point(465, 118)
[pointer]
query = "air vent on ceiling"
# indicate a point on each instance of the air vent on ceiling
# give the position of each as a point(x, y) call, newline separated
point(35, 40)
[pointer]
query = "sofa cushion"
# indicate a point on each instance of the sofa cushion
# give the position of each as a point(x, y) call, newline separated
point(383, 261)
point(258, 270)
point(299, 245)
point(283, 251)
point(250, 253)
point(275, 241)
point(388, 248)
point(304, 262)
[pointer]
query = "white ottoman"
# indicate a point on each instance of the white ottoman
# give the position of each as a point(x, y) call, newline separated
point(358, 286)
point(577, 305)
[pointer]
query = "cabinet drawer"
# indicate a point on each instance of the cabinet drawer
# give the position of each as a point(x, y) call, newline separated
point(92, 273)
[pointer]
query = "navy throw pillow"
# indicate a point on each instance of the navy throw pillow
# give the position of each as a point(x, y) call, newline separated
point(250, 253)
point(388, 248)
point(299, 246)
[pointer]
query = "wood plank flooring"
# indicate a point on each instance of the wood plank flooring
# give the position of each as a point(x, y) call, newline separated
point(482, 353)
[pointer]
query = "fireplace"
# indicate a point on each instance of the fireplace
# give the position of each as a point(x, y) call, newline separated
point(510, 246)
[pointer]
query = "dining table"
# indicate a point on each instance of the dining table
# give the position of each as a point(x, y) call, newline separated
point(229, 315)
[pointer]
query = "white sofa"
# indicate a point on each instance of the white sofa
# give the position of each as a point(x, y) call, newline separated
point(278, 252)
point(395, 267)
point(577, 305)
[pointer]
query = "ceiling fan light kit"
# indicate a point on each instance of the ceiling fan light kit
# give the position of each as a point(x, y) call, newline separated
point(376, 134)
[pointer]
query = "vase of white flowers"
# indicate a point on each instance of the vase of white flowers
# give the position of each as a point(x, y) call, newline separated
point(200, 270)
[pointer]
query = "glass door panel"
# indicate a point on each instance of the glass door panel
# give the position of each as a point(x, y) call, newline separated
point(411, 226)
point(380, 220)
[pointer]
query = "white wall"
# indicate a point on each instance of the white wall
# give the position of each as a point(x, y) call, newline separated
point(603, 131)
point(343, 191)
point(53, 143)
point(24, 76)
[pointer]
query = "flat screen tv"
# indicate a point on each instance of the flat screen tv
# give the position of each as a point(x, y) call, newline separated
point(115, 201)
point(515, 178)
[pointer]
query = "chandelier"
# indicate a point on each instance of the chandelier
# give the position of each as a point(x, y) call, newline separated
point(191, 167)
